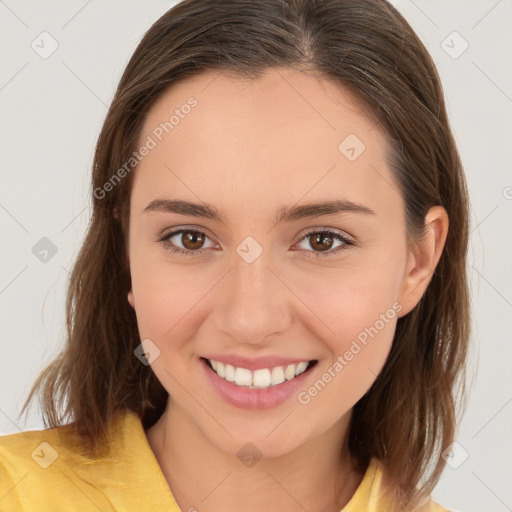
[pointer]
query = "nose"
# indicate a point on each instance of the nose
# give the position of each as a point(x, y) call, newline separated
point(253, 303)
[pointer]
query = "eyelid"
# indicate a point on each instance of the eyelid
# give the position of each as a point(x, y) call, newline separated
point(323, 229)
point(164, 233)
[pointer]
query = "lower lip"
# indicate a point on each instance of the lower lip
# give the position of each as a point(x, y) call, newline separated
point(246, 398)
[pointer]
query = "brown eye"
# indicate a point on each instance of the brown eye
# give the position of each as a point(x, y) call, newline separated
point(185, 241)
point(192, 240)
point(321, 241)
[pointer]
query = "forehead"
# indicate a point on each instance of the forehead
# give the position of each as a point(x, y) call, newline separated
point(280, 100)
point(281, 136)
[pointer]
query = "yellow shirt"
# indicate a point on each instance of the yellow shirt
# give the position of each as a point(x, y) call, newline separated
point(38, 474)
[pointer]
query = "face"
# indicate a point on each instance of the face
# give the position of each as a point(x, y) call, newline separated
point(258, 286)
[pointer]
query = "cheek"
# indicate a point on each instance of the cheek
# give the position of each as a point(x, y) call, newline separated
point(358, 307)
point(172, 300)
point(344, 380)
point(350, 299)
point(361, 311)
point(163, 296)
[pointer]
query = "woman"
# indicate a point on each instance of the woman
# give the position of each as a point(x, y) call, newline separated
point(270, 308)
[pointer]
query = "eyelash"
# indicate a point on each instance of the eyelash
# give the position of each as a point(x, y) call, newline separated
point(347, 244)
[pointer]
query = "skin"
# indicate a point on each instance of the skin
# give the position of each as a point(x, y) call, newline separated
point(250, 148)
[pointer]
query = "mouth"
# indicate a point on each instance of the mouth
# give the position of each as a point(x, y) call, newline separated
point(262, 378)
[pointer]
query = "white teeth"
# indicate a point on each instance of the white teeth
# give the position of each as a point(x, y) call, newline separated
point(230, 372)
point(277, 375)
point(289, 373)
point(243, 377)
point(262, 378)
point(258, 379)
point(221, 370)
point(301, 367)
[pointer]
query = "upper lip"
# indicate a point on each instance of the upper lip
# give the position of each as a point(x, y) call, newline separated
point(255, 363)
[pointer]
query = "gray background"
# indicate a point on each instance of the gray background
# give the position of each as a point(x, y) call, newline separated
point(51, 113)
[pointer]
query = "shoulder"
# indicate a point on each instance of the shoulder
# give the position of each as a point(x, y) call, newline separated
point(31, 449)
point(27, 460)
point(370, 494)
point(40, 471)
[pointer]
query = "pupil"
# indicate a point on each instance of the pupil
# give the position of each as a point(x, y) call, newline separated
point(193, 240)
point(321, 238)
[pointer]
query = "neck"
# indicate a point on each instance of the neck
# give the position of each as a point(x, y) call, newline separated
point(317, 476)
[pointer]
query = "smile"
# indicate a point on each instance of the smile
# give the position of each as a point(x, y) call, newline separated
point(261, 378)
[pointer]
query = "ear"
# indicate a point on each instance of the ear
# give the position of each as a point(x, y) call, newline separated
point(131, 299)
point(423, 259)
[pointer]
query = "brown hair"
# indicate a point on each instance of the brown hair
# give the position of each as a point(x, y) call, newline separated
point(409, 415)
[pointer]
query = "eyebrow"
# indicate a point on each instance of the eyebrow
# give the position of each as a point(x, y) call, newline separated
point(286, 214)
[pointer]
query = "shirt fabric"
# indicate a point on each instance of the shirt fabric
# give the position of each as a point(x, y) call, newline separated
point(39, 474)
